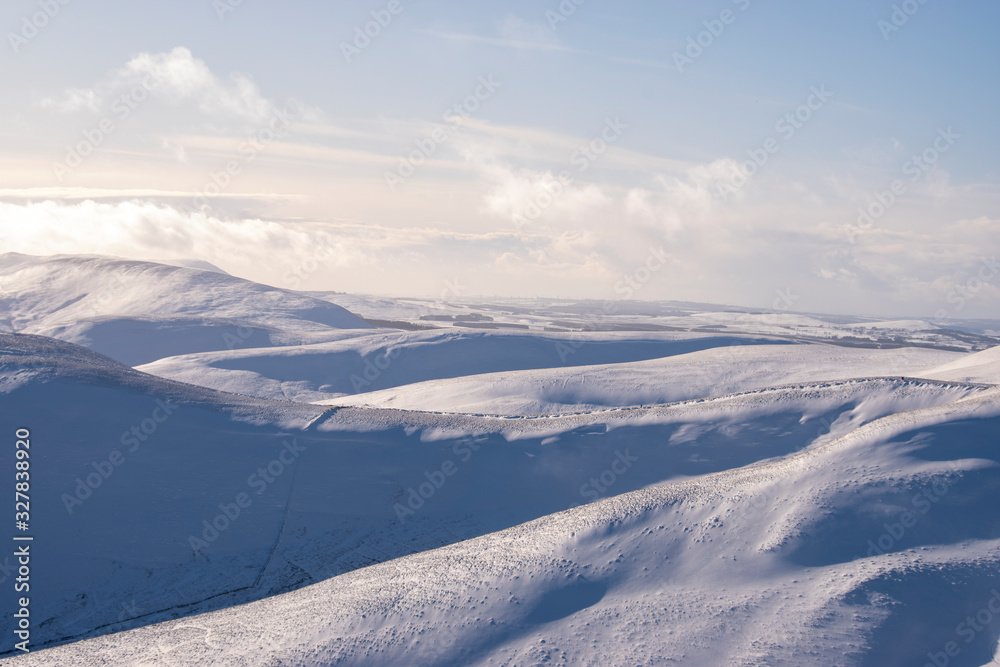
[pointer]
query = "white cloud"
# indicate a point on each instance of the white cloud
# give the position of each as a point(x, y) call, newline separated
point(583, 256)
point(513, 33)
point(498, 41)
point(180, 76)
point(82, 193)
point(538, 196)
point(516, 30)
point(264, 250)
point(785, 227)
point(175, 77)
point(525, 144)
point(150, 231)
point(175, 149)
point(667, 203)
point(73, 100)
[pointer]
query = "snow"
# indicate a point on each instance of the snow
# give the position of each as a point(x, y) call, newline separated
point(363, 363)
point(732, 496)
point(730, 568)
point(720, 370)
point(199, 264)
point(979, 367)
point(564, 315)
point(141, 311)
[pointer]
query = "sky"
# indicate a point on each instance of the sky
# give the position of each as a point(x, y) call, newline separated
point(836, 157)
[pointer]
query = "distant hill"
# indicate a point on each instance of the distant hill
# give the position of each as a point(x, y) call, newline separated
point(137, 312)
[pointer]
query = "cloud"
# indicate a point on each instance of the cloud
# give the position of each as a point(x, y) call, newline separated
point(600, 235)
point(317, 255)
point(539, 197)
point(499, 41)
point(491, 141)
point(73, 100)
point(176, 77)
point(515, 30)
point(264, 250)
point(512, 33)
point(81, 193)
point(175, 149)
point(784, 228)
point(128, 227)
point(668, 202)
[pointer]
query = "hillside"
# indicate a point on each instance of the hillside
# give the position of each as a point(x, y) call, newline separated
point(329, 491)
point(138, 311)
point(794, 561)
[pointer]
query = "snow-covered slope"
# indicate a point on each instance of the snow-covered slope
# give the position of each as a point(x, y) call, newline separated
point(391, 359)
point(717, 371)
point(137, 312)
point(672, 485)
point(881, 547)
point(977, 367)
point(631, 315)
point(143, 477)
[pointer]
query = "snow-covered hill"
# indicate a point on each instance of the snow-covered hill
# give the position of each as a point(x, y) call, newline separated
point(227, 473)
point(720, 370)
point(144, 478)
point(138, 312)
point(367, 363)
point(630, 315)
point(979, 367)
point(879, 547)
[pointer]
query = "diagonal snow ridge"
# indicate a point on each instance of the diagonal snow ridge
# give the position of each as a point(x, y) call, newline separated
point(909, 393)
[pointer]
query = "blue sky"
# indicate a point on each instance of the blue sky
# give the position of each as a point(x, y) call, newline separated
point(504, 201)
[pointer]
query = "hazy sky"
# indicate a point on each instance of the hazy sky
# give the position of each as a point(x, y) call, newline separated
point(521, 148)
